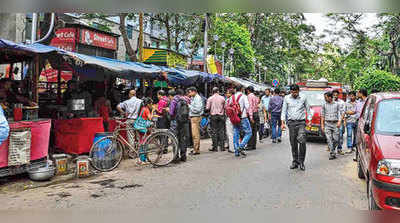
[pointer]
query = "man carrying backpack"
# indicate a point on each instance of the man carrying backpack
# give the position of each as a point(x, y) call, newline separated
point(196, 111)
point(237, 111)
point(179, 112)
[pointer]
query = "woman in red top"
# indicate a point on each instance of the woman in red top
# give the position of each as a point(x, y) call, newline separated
point(102, 106)
point(146, 113)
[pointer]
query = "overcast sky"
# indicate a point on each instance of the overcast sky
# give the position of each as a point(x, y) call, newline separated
point(321, 22)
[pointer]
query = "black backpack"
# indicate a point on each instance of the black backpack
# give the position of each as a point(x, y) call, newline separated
point(182, 111)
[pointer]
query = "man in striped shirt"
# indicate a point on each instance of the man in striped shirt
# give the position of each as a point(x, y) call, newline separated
point(331, 120)
point(254, 117)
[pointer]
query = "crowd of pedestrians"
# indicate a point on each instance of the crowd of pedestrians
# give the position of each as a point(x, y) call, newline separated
point(244, 117)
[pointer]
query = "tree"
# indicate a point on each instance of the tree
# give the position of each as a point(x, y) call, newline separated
point(378, 80)
point(238, 38)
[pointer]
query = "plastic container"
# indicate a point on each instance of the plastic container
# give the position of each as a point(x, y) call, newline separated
point(61, 161)
point(100, 157)
point(82, 166)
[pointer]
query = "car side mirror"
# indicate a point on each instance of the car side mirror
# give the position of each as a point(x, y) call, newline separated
point(367, 128)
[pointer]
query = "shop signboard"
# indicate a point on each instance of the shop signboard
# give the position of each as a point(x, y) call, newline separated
point(65, 39)
point(92, 38)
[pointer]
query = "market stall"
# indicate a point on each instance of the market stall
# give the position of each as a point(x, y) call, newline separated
point(28, 144)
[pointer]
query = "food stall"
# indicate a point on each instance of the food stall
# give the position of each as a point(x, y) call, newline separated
point(28, 143)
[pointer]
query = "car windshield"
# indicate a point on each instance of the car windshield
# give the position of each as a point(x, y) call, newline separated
point(314, 98)
point(388, 117)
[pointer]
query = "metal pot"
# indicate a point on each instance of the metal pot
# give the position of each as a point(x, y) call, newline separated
point(77, 104)
point(42, 173)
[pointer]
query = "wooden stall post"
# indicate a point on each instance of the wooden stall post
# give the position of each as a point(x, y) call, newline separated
point(35, 79)
point(59, 85)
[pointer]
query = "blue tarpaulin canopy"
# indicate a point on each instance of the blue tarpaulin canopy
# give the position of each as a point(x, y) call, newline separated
point(98, 68)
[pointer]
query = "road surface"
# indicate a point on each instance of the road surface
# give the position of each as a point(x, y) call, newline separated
point(213, 180)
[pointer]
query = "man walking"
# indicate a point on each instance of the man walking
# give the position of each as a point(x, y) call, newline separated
point(295, 108)
point(330, 123)
point(179, 112)
point(350, 116)
point(342, 127)
point(196, 111)
point(254, 117)
point(243, 104)
point(275, 112)
point(216, 106)
point(265, 101)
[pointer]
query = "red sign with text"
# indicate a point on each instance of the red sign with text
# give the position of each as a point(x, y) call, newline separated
point(91, 38)
point(65, 39)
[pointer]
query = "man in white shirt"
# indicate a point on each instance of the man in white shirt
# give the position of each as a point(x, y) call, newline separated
point(130, 108)
point(244, 123)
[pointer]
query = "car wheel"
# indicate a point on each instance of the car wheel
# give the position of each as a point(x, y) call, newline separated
point(371, 201)
point(359, 168)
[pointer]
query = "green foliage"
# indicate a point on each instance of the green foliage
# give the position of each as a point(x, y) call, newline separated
point(379, 80)
point(238, 38)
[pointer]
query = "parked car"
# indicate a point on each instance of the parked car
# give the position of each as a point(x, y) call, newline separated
point(378, 150)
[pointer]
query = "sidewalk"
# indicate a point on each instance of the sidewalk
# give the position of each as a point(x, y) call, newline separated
point(22, 182)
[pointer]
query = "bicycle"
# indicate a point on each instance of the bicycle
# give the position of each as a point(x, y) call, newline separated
point(160, 147)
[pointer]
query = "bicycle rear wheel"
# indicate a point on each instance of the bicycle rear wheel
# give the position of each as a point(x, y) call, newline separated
point(161, 148)
point(106, 154)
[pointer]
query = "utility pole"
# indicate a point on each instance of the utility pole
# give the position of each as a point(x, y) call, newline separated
point(205, 42)
point(141, 37)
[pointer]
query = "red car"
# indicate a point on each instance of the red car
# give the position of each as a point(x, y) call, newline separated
point(378, 150)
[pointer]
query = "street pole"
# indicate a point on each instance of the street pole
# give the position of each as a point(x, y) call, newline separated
point(205, 42)
point(34, 27)
point(141, 37)
point(223, 44)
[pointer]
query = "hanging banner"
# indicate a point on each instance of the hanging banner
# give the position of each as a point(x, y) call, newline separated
point(211, 67)
point(91, 38)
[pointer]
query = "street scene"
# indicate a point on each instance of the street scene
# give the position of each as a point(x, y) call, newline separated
point(201, 111)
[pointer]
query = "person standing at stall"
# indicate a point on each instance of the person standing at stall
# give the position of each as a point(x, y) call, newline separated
point(254, 117)
point(162, 110)
point(265, 101)
point(102, 107)
point(196, 111)
point(294, 110)
point(146, 114)
point(130, 108)
point(4, 128)
point(180, 122)
point(228, 123)
point(216, 106)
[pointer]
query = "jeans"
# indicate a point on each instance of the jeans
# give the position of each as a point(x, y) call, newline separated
point(245, 126)
point(218, 131)
point(332, 136)
point(252, 144)
point(351, 135)
point(341, 133)
point(261, 131)
point(276, 125)
point(297, 135)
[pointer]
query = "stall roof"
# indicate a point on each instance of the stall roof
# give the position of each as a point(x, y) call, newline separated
point(246, 83)
point(11, 52)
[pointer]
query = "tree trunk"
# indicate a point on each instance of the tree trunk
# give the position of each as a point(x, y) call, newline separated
point(176, 32)
point(122, 28)
point(168, 28)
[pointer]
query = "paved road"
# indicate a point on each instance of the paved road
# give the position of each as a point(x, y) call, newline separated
point(212, 180)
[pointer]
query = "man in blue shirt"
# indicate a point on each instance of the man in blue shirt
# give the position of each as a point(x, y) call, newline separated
point(4, 128)
point(265, 101)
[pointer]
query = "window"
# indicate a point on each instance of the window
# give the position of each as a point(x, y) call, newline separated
point(129, 30)
point(388, 117)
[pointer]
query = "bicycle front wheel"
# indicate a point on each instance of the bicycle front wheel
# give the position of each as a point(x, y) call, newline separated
point(161, 148)
point(106, 154)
